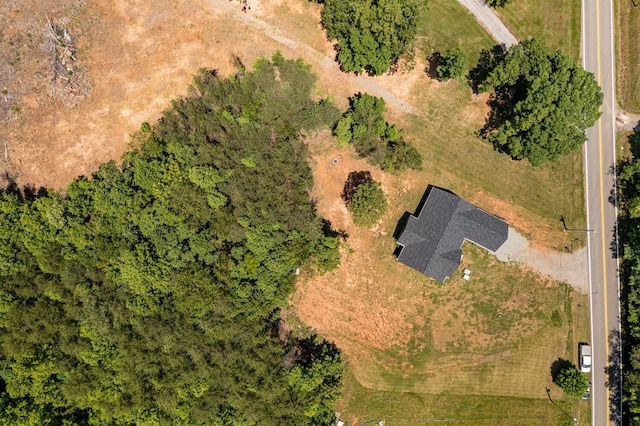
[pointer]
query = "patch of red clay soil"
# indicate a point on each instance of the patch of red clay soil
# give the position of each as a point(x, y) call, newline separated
point(349, 305)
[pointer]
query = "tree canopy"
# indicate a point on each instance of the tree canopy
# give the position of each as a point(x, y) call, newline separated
point(364, 198)
point(451, 64)
point(628, 185)
point(364, 126)
point(372, 35)
point(542, 102)
point(150, 293)
point(572, 382)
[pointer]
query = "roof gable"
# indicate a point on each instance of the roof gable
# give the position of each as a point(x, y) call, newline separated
point(431, 242)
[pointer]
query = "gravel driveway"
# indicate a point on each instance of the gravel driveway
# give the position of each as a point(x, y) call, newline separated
point(488, 19)
point(571, 268)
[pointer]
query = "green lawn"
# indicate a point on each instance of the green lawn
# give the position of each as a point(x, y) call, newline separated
point(446, 129)
point(458, 159)
point(628, 55)
point(410, 408)
point(556, 21)
point(446, 24)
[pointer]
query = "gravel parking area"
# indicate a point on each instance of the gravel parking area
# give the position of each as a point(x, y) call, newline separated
point(571, 268)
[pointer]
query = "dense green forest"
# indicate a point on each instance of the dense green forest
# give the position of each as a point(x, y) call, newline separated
point(150, 292)
point(629, 234)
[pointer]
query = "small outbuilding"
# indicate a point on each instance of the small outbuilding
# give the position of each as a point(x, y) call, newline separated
point(431, 241)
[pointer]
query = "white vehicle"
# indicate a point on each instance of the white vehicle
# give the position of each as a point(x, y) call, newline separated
point(585, 358)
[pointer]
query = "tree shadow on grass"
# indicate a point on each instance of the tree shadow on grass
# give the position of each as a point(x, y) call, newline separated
point(354, 180)
point(434, 61)
point(328, 231)
point(559, 365)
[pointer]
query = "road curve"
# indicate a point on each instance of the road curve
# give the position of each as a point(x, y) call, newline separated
point(602, 247)
point(490, 21)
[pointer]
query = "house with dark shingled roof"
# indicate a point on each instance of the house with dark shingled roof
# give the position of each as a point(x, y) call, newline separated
point(431, 242)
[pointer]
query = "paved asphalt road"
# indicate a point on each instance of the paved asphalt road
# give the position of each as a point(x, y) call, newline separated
point(488, 19)
point(598, 58)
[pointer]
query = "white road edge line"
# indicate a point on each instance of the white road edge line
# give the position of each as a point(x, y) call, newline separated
point(586, 197)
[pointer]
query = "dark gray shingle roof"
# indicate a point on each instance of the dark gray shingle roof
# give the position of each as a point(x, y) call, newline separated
point(431, 242)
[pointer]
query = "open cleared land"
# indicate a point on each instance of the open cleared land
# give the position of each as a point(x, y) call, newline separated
point(141, 56)
point(492, 335)
point(396, 327)
point(628, 55)
point(557, 22)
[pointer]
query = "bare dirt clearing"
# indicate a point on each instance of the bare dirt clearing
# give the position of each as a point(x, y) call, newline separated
point(140, 55)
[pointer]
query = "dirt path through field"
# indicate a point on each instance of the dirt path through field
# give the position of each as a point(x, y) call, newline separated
point(327, 64)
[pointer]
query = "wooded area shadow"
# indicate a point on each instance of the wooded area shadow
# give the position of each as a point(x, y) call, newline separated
point(27, 192)
point(329, 231)
point(614, 377)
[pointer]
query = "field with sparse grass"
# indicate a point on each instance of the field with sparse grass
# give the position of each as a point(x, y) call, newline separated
point(558, 22)
point(419, 349)
point(628, 55)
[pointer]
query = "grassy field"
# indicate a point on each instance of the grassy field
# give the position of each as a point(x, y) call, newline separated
point(410, 408)
point(446, 130)
point(556, 21)
point(628, 55)
point(456, 158)
point(477, 344)
point(446, 24)
point(480, 351)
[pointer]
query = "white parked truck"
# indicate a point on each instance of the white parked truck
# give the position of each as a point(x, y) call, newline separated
point(585, 358)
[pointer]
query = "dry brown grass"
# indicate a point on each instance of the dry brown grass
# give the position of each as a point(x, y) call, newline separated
point(402, 331)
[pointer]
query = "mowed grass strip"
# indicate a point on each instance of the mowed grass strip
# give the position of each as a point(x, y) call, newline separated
point(628, 55)
point(410, 408)
point(558, 22)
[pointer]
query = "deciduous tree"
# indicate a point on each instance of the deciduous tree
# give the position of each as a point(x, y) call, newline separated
point(368, 204)
point(372, 35)
point(572, 382)
point(451, 64)
point(365, 127)
point(542, 102)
